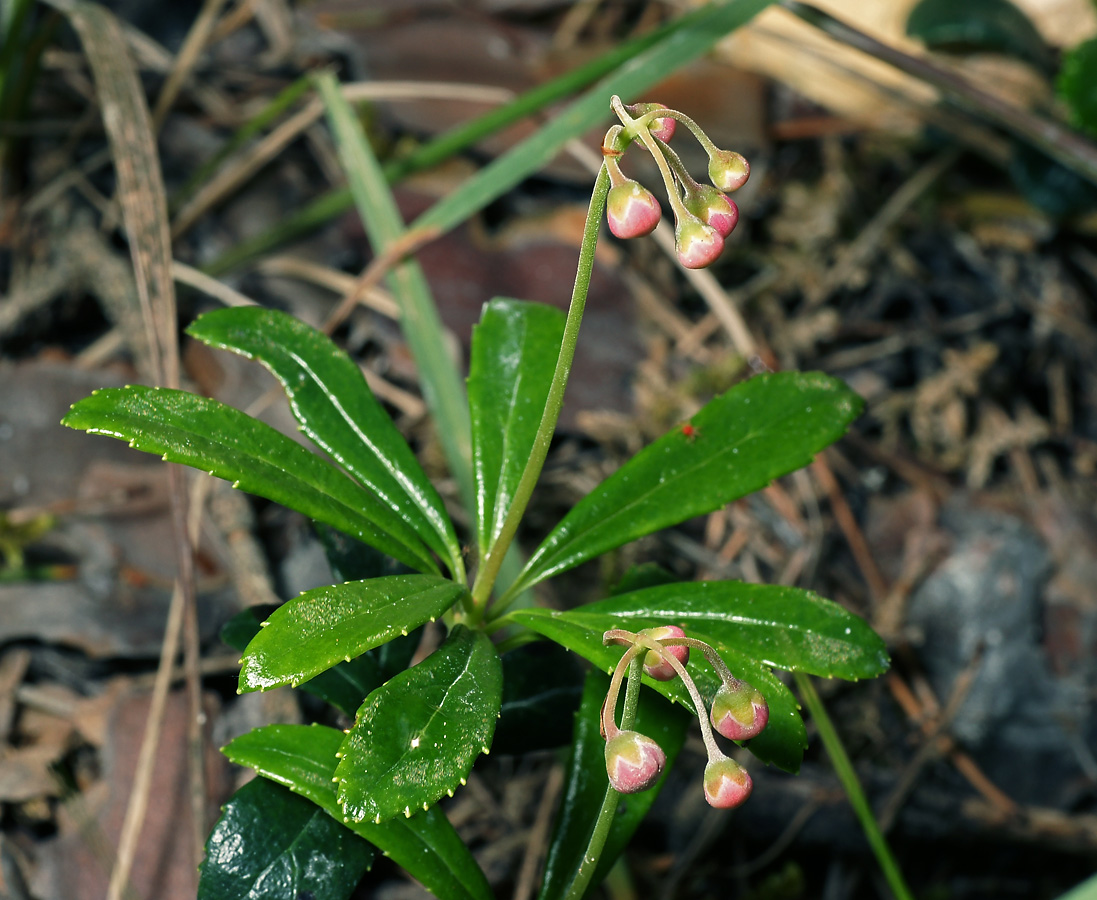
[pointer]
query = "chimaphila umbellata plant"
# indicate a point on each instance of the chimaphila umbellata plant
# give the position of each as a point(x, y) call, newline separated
point(710, 647)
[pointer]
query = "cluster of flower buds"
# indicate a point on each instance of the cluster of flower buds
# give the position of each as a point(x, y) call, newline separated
point(703, 213)
point(739, 712)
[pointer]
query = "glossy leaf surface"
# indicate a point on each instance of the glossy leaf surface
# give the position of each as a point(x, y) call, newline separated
point(225, 442)
point(270, 844)
point(990, 26)
point(302, 757)
point(330, 398)
point(417, 736)
point(784, 739)
point(786, 627)
point(346, 684)
point(586, 785)
point(514, 350)
point(337, 622)
point(759, 430)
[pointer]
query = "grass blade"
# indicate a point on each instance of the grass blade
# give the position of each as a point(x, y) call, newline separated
point(441, 382)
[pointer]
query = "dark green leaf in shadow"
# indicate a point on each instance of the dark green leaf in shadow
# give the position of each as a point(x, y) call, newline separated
point(303, 758)
point(542, 684)
point(586, 783)
point(643, 575)
point(1077, 85)
point(1049, 185)
point(759, 430)
point(514, 350)
point(225, 442)
point(271, 844)
point(417, 736)
point(351, 560)
point(988, 26)
point(330, 398)
point(783, 741)
point(339, 622)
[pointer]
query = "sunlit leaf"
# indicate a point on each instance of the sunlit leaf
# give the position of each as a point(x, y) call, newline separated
point(759, 430)
point(514, 350)
point(225, 442)
point(417, 736)
point(337, 622)
point(330, 398)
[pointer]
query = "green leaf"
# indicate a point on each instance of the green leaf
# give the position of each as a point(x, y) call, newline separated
point(270, 844)
point(303, 758)
point(346, 684)
point(514, 350)
point(586, 784)
point(416, 737)
point(338, 622)
point(225, 442)
point(785, 627)
point(784, 739)
point(994, 26)
point(1077, 85)
point(759, 430)
point(542, 686)
point(330, 398)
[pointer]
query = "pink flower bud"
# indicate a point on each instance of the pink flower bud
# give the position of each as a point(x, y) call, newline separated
point(654, 665)
point(698, 244)
point(634, 762)
point(728, 170)
point(727, 784)
point(739, 711)
point(713, 208)
point(632, 210)
point(660, 128)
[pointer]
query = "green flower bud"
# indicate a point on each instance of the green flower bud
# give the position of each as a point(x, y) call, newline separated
point(728, 170)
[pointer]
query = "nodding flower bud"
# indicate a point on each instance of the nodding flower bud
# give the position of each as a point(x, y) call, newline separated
point(727, 784)
point(660, 128)
point(713, 207)
point(739, 711)
point(728, 170)
point(632, 210)
point(698, 245)
point(654, 664)
point(634, 762)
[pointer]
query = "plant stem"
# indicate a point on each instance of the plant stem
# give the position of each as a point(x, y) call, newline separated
point(846, 774)
point(608, 810)
point(489, 569)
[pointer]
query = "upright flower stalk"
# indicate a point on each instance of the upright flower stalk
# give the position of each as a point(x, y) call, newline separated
point(704, 217)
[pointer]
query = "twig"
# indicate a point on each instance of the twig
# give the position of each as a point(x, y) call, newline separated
point(377, 269)
point(187, 58)
point(538, 834)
